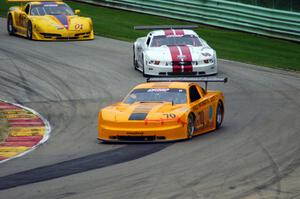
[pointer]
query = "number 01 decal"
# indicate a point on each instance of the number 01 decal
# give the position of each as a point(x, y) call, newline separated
point(79, 26)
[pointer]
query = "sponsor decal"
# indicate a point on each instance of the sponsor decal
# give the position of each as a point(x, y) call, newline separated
point(158, 90)
point(199, 122)
point(210, 113)
point(134, 133)
point(49, 3)
point(181, 56)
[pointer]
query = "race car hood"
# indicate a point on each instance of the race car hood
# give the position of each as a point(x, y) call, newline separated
point(176, 53)
point(61, 22)
point(122, 112)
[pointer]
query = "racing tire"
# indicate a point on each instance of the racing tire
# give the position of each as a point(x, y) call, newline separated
point(29, 30)
point(219, 115)
point(145, 75)
point(190, 127)
point(10, 27)
point(135, 64)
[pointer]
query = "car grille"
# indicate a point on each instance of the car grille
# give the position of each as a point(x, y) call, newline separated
point(58, 36)
point(139, 138)
point(85, 34)
point(181, 73)
point(182, 63)
point(49, 35)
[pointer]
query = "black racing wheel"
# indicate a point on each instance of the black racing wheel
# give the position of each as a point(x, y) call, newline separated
point(219, 115)
point(10, 27)
point(190, 126)
point(135, 64)
point(144, 74)
point(29, 30)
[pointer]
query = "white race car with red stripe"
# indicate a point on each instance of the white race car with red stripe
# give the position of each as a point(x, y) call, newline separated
point(174, 52)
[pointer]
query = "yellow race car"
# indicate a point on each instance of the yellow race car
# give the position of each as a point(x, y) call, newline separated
point(163, 109)
point(48, 20)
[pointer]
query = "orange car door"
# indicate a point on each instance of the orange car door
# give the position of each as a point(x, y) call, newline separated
point(195, 101)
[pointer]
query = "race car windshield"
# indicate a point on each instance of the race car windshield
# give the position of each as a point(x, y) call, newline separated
point(175, 40)
point(51, 9)
point(173, 95)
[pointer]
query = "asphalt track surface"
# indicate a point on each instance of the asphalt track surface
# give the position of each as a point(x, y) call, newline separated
point(256, 154)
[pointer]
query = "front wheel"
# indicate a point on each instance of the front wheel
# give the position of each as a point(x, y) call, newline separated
point(144, 74)
point(10, 27)
point(135, 64)
point(29, 30)
point(219, 115)
point(190, 127)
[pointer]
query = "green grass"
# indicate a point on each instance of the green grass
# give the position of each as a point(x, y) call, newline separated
point(232, 45)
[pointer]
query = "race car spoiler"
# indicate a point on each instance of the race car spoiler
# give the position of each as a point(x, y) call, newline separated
point(163, 27)
point(32, 0)
point(188, 79)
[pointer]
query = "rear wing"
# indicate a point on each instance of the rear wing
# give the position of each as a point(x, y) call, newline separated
point(188, 79)
point(32, 0)
point(164, 27)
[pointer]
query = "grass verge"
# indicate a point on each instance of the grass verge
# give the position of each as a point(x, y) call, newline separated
point(231, 45)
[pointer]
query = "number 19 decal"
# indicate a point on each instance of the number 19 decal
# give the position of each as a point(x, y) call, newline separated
point(79, 26)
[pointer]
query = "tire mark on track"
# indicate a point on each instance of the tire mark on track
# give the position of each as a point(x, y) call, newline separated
point(79, 165)
point(285, 172)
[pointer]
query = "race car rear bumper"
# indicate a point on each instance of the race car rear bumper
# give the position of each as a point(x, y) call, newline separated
point(197, 70)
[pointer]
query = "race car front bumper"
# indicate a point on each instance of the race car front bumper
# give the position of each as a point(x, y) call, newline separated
point(197, 70)
point(155, 134)
point(63, 35)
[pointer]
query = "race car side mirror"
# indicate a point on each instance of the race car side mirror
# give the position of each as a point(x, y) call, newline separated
point(77, 12)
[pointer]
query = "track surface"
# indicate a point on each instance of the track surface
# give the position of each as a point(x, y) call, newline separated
point(255, 155)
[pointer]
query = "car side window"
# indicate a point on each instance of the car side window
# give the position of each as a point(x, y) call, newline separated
point(194, 94)
point(148, 40)
point(26, 9)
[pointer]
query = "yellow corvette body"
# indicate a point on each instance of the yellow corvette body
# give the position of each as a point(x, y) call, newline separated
point(162, 111)
point(48, 20)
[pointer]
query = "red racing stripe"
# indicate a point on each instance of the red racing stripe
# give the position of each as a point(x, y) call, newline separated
point(187, 58)
point(175, 60)
point(179, 32)
point(169, 32)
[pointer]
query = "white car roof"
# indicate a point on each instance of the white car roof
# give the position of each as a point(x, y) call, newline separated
point(173, 31)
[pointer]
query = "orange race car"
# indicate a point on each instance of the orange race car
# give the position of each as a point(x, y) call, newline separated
point(164, 109)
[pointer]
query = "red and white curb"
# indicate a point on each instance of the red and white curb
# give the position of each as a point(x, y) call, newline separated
point(26, 130)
